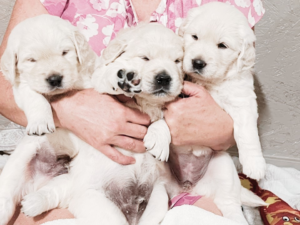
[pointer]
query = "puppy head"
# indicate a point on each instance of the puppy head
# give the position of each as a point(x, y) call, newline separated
point(217, 40)
point(159, 52)
point(152, 54)
point(46, 52)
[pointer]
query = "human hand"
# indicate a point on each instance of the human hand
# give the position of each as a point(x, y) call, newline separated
point(102, 121)
point(199, 120)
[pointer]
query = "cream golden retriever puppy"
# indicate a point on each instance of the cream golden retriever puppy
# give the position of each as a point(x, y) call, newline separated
point(97, 190)
point(220, 55)
point(45, 56)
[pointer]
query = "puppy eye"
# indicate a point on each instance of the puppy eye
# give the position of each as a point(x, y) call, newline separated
point(222, 45)
point(177, 61)
point(145, 58)
point(31, 60)
point(195, 37)
point(65, 52)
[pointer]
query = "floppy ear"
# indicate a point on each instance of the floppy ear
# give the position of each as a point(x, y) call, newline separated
point(190, 16)
point(114, 49)
point(82, 46)
point(9, 64)
point(246, 57)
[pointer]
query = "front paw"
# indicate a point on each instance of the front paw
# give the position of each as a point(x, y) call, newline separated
point(254, 167)
point(157, 145)
point(34, 204)
point(129, 82)
point(40, 126)
point(7, 208)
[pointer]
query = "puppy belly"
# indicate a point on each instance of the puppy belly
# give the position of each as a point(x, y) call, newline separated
point(131, 198)
point(46, 165)
point(188, 169)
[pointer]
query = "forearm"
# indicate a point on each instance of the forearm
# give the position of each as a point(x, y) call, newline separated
point(22, 10)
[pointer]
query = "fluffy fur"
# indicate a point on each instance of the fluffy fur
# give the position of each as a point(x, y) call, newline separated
point(219, 54)
point(96, 189)
point(45, 56)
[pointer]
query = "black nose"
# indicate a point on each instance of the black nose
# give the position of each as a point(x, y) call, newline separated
point(55, 80)
point(163, 79)
point(198, 64)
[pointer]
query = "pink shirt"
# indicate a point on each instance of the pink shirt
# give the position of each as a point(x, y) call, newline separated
point(100, 20)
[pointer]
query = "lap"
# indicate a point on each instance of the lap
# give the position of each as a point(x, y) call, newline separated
point(21, 219)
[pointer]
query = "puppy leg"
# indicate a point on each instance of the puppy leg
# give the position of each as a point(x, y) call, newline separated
point(93, 208)
point(55, 194)
point(37, 110)
point(222, 183)
point(247, 140)
point(157, 140)
point(157, 206)
point(13, 181)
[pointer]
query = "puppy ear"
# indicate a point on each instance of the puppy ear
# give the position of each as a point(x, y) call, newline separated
point(9, 63)
point(114, 49)
point(81, 45)
point(246, 57)
point(190, 17)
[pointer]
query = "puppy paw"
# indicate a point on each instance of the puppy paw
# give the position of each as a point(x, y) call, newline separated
point(40, 127)
point(7, 209)
point(254, 167)
point(129, 82)
point(34, 204)
point(157, 140)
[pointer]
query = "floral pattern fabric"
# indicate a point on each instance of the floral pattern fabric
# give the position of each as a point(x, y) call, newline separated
point(100, 20)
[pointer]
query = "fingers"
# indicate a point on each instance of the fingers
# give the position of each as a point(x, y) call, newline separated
point(137, 117)
point(116, 156)
point(134, 130)
point(129, 144)
point(123, 98)
point(191, 89)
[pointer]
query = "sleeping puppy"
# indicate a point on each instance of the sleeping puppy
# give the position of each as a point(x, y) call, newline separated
point(144, 61)
point(45, 56)
point(219, 55)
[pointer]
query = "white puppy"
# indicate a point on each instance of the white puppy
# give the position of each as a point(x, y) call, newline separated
point(96, 189)
point(219, 55)
point(45, 56)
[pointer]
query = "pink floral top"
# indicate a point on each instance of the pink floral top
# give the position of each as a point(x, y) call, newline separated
point(100, 20)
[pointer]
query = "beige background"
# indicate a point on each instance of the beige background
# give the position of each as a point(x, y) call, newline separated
point(277, 78)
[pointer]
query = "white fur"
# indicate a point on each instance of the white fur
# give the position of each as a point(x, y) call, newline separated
point(228, 77)
point(38, 48)
point(85, 189)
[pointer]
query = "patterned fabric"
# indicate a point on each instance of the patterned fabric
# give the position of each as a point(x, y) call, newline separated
point(100, 20)
point(10, 135)
point(278, 212)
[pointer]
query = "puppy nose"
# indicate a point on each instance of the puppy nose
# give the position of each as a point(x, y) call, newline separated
point(163, 79)
point(198, 64)
point(55, 80)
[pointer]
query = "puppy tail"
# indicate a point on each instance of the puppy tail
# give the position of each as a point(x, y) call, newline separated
point(248, 198)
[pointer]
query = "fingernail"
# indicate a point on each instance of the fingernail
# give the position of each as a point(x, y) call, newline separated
point(132, 161)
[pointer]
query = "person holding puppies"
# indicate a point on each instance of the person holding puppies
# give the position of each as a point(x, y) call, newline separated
point(112, 123)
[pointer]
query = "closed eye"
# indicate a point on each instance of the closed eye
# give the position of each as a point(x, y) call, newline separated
point(145, 58)
point(65, 52)
point(31, 60)
point(222, 45)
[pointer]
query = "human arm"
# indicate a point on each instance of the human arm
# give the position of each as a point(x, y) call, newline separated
point(199, 120)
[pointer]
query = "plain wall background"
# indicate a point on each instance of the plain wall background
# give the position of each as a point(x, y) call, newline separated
point(277, 78)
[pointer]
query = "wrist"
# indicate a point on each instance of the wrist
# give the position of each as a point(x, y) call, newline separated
point(226, 138)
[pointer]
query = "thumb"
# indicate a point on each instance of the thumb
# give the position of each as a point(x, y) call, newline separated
point(191, 89)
